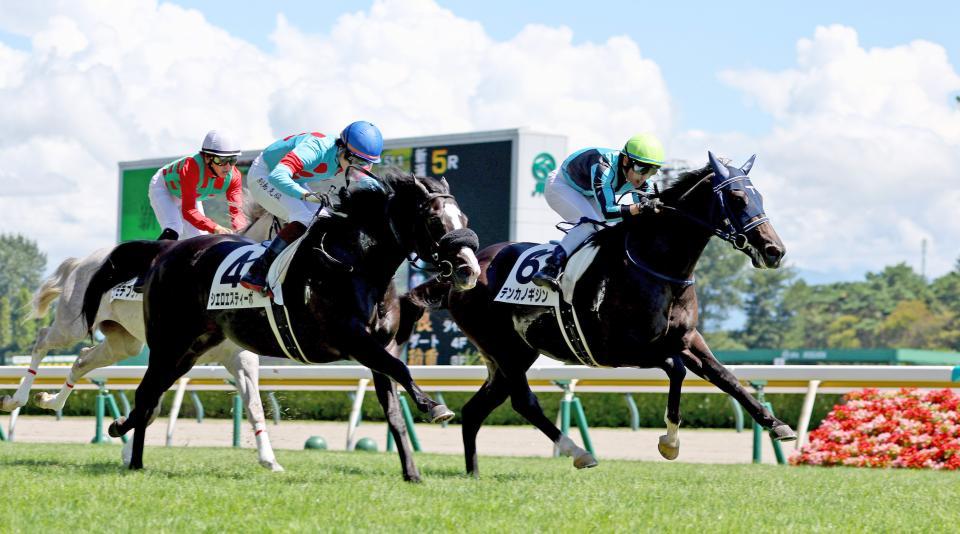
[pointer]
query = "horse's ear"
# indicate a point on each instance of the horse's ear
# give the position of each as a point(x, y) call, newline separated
point(748, 165)
point(719, 169)
point(421, 185)
point(443, 181)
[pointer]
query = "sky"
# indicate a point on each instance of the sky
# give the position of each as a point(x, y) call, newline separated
point(851, 108)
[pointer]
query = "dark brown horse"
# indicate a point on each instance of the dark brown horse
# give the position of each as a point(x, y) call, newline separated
point(339, 296)
point(636, 305)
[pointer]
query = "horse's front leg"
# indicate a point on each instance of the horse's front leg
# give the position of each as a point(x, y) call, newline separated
point(245, 367)
point(702, 362)
point(669, 445)
point(365, 349)
point(387, 395)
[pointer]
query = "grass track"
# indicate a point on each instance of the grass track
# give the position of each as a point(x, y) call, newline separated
point(82, 488)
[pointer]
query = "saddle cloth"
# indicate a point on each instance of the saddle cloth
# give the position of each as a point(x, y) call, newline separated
point(519, 289)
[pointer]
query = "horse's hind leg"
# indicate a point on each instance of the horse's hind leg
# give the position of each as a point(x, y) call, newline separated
point(363, 348)
point(117, 345)
point(245, 367)
point(45, 341)
point(492, 394)
point(669, 445)
point(701, 361)
point(525, 403)
point(387, 395)
point(164, 370)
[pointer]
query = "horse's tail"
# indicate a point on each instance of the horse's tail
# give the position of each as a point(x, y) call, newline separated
point(50, 289)
point(432, 294)
point(124, 262)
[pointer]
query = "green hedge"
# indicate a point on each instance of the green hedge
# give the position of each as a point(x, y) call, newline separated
point(698, 410)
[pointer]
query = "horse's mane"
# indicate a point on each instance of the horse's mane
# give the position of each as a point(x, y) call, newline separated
point(397, 178)
point(668, 187)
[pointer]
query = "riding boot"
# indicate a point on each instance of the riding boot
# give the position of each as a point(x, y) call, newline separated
point(256, 277)
point(548, 274)
point(166, 235)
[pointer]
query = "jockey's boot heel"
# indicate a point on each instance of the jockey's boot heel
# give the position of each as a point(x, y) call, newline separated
point(256, 277)
point(548, 275)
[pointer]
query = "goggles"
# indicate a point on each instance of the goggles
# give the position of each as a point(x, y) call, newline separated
point(354, 159)
point(223, 160)
point(640, 167)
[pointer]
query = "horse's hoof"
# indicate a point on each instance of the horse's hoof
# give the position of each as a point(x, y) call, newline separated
point(584, 461)
point(783, 433)
point(126, 453)
point(44, 400)
point(440, 413)
point(114, 429)
point(272, 465)
point(9, 404)
point(668, 451)
point(413, 480)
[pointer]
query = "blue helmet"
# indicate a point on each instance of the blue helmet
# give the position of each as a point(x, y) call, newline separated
point(363, 140)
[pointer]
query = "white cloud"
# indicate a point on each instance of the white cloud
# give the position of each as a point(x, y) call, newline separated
point(105, 82)
point(863, 154)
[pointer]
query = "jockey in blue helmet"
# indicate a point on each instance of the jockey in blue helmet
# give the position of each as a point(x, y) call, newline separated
point(278, 176)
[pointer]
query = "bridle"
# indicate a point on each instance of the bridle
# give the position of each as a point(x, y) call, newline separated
point(430, 249)
point(725, 228)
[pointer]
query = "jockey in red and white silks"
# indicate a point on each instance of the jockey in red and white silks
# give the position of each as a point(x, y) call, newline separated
point(177, 189)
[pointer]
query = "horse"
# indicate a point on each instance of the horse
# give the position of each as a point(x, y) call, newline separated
point(339, 295)
point(636, 305)
point(121, 322)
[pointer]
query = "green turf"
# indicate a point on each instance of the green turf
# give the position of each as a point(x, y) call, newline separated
point(81, 488)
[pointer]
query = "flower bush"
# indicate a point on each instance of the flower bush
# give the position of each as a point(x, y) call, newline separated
point(907, 428)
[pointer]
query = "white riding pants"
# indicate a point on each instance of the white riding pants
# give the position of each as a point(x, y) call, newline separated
point(166, 207)
point(283, 206)
point(571, 204)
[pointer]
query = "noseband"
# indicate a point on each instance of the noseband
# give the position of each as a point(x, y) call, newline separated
point(447, 245)
point(725, 228)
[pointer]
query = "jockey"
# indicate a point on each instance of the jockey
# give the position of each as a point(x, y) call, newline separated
point(586, 186)
point(178, 188)
point(278, 177)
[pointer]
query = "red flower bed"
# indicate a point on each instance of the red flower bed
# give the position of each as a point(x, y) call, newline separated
point(907, 428)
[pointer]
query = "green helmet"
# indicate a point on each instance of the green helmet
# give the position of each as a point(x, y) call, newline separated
point(645, 148)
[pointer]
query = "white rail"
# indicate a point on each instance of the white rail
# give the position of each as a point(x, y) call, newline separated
point(783, 379)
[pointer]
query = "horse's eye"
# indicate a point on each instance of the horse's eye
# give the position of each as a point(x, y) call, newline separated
point(740, 199)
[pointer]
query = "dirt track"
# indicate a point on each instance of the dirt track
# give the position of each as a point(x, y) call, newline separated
point(697, 446)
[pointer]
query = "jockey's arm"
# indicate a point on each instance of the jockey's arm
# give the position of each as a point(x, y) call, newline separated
point(189, 176)
point(235, 200)
point(603, 177)
point(302, 156)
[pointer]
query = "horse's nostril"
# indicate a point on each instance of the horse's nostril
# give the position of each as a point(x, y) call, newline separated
point(773, 251)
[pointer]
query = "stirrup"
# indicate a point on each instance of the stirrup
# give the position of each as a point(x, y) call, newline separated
point(263, 290)
point(545, 280)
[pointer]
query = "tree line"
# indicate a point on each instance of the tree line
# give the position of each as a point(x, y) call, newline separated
point(893, 308)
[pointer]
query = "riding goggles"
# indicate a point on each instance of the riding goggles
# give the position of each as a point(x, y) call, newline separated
point(640, 167)
point(354, 159)
point(223, 160)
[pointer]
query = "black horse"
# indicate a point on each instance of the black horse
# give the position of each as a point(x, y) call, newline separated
point(636, 305)
point(340, 298)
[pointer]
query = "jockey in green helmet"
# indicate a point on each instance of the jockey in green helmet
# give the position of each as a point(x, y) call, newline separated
point(587, 185)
